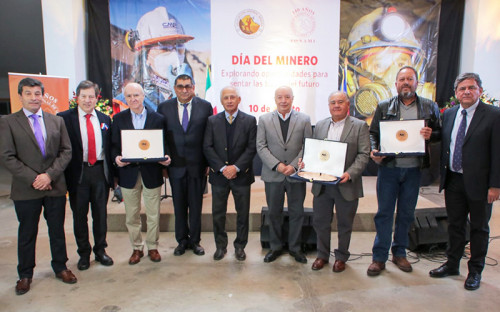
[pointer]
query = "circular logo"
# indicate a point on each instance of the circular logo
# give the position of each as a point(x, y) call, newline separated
point(249, 23)
point(144, 145)
point(402, 135)
point(324, 155)
point(303, 22)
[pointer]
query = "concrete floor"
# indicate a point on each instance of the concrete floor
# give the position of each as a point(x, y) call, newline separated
point(194, 283)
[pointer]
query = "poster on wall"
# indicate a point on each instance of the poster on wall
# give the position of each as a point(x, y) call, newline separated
point(377, 39)
point(152, 42)
point(55, 97)
point(260, 45)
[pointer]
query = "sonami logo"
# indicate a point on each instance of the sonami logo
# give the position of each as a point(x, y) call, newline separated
point(169, 25)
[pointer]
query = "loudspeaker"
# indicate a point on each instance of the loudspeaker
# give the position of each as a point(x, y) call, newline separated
point(430, 228)
point(308, 233)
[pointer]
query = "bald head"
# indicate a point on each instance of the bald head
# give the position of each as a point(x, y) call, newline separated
point(134, 95)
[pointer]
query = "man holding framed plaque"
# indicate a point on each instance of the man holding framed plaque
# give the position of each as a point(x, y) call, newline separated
point(136, 177)
point(399, 174)
point(344, 195)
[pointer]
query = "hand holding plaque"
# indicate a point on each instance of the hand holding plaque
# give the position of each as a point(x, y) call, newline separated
point(142, 146)
point(323, 161)
point(402, 138)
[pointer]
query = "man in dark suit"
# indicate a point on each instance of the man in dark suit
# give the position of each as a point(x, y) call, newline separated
point(35, 148)
point(88, 174)
point(229, 147)
point(185, 121)
point(140, 177)
point(280, 137)
point(345, 195)
point(470, 176)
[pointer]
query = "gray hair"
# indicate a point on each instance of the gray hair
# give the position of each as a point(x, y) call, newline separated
point(466, 76)
point(232, 88)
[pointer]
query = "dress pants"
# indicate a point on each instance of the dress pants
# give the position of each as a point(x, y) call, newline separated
point(241, 195)
point(458, 207)
point(275, 197)
point(28, 213)
point(187, 195)
point(322, 219)
point(93, 189)
point(132, 201)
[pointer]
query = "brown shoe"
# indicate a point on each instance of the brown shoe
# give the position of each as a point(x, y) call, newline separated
point(318, 264)
point(154, 255)
point(402, 263)
point(23, 286)
point(67, 276)
point(338, 266)
point(375, 268)
point(136, 256)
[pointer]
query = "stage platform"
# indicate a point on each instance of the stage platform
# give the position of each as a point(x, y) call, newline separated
point(429, 198)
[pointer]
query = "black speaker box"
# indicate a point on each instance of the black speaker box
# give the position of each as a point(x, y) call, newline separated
point(430, 228)
point(308, 233)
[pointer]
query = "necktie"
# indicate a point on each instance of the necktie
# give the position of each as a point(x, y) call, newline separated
point(185, 117)
point(92, 158)
point(38, 133)
point(459, 142)
point(230, 119)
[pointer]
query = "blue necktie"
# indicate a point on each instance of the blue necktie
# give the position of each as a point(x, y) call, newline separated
point(459, 142)
point(38, 133)
point(185, 117)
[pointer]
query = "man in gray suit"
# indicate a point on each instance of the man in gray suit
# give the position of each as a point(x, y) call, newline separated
point(344, 196)
point(35, 148)
point(280, 137)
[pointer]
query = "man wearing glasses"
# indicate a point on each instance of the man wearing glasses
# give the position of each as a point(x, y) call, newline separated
point(185, 119)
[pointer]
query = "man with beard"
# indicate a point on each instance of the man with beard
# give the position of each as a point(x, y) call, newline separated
point(399, 178)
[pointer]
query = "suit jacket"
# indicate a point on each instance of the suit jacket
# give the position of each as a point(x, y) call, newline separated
point(273, 148)
point(73, 172)
point(357, 137)
point(186, 148)
point(151, 172)
point(215, 147)
point(480, 151)
point(21, 155)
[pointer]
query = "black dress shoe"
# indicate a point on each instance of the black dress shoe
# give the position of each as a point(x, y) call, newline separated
point(180, 250)
point(299, 256)
point(219, 253)
point(104, 259)
point(240, 254)
point(198, 250)
point(272, 255)
point(473, 281)
point(444, 271)
point(83, 263)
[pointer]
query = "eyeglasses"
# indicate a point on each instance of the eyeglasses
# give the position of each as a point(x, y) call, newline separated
point(180, 87)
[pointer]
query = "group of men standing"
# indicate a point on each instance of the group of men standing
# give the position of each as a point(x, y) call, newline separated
point(82, 153)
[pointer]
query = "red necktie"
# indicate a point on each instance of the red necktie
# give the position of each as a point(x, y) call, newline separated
point(91, 140)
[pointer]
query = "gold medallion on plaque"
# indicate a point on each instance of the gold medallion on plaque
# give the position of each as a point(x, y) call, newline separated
point(324, 155)
point(402, 135)
point(144, 145)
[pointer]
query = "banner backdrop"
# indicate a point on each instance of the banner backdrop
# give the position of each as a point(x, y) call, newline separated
point(55, 97)
point(314, 46)
point(260, 45)
point(153, 41)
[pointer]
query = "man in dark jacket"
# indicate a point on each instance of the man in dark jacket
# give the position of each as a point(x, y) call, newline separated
point(399, 178)
point(88, 175)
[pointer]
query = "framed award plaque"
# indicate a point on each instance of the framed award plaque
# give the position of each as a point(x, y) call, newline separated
point(401, 138)
point(142, 145)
